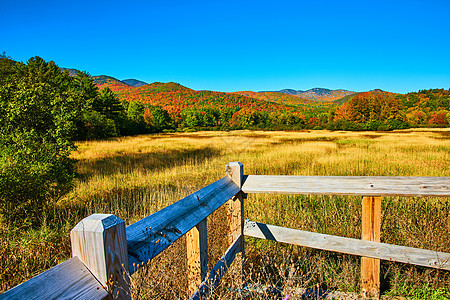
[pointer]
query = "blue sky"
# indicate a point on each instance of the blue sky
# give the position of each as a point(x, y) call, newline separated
point(399, 46)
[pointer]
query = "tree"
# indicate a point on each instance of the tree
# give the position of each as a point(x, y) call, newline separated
point(37, 120)
point(157, 118)
point(191, 118)
point(6, 68)
point(98, 126)
point(438, 117)
point(134, 122)
point(135, 111)
point(108, 104)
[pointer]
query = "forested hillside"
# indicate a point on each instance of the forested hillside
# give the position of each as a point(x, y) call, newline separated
point(374, 110)
point(427, 107)
point(379, 110)
point(190, 109)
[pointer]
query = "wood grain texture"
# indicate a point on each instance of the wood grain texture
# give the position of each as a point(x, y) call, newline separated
point(68, 280)
point(348, 185)
point(235, 206)
point(151, 235)
point(371, 228)
point(100, 242)
point(217, 272)
point(415, 256)
point(235, 170)
point(197, 255)
point(235, 217)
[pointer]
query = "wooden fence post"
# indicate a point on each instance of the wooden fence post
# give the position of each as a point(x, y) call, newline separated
point(197, 255)
point(100, 242)
point(371, 227)
point(235, 170)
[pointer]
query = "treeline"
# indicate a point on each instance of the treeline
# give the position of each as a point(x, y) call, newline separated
point(156, 119)
point(378, 110)
point(375, 110)
point(365, 111)
point(236, 118)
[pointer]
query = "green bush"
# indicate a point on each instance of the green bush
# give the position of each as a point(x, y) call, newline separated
point(396, 124)
point(98, 126)
point(373, 125)
point(383, 128)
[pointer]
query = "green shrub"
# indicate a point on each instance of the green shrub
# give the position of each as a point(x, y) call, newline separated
point(98, 126)
point(383, 128)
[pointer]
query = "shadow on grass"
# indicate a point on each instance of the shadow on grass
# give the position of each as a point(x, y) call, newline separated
point(123, 163)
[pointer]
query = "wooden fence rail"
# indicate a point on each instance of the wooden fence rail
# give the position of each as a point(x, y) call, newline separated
point(150, 236)
point(348, 185)
point(106, 253)
point(408, 255)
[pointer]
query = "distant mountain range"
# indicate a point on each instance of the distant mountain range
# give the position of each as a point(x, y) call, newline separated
point(102, 79)
point(316, 94)
point(72, 72)
point(134, 82)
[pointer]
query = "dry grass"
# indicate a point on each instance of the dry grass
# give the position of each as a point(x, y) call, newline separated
point(133, 177)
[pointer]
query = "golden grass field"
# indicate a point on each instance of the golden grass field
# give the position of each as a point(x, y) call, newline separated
point(133, 177)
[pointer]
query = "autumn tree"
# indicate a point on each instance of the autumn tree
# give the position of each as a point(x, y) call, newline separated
point(157, 118)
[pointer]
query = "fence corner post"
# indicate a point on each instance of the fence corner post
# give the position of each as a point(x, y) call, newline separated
point(235, 211)
point(371, 227)
point(100, 242)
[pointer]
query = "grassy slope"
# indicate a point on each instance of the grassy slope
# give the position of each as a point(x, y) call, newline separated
point(133, 177)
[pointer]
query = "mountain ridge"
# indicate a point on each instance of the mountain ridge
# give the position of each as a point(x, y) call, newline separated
point(102, 79)
point(134, 82)
point(72, 72)
point(316, 94)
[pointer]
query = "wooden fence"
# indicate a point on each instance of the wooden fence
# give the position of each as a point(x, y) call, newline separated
point(105, 252)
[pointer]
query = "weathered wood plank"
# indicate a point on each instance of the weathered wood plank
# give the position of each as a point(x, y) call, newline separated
point(100, 242)
point(348, 185)
point(415, 256)
point(235, 215)
point(235, 171)
point(151, 235)
point(371, 228)
point(197, 255)
point(68, 280)
point(218, 271)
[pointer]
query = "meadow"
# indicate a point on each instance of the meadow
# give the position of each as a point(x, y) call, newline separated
point(133, 177)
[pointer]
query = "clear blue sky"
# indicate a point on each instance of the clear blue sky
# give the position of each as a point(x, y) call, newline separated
point(398, 46)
